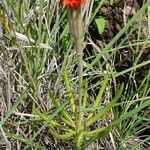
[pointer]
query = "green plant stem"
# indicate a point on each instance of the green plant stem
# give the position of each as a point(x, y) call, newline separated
point(78, 45)
point(76, 29)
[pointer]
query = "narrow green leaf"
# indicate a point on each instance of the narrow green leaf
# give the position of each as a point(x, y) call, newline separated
point(84, 100)
point(66, 136)
point(105, 109)
point(69, 123)
point(66, 118)
point(68, 88)
point(130, 113)
point(45, 118)
point(24, 140)
point(100, 132)
point(99, 97)
point(23, 95)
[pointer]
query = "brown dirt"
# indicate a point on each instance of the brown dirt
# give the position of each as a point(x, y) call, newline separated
point(116, 16)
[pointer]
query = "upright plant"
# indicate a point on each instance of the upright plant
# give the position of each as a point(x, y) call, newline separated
point(73, 124)
point(76, 30)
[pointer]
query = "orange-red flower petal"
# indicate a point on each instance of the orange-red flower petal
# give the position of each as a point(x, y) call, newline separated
point(73, 3)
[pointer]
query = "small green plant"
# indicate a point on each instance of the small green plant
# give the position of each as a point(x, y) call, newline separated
point(74, 124)
point(70, 118)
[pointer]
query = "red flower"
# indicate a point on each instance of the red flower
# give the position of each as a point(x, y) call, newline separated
point(73, 3)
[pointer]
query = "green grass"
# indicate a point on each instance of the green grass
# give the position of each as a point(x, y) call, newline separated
point(35, 44)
